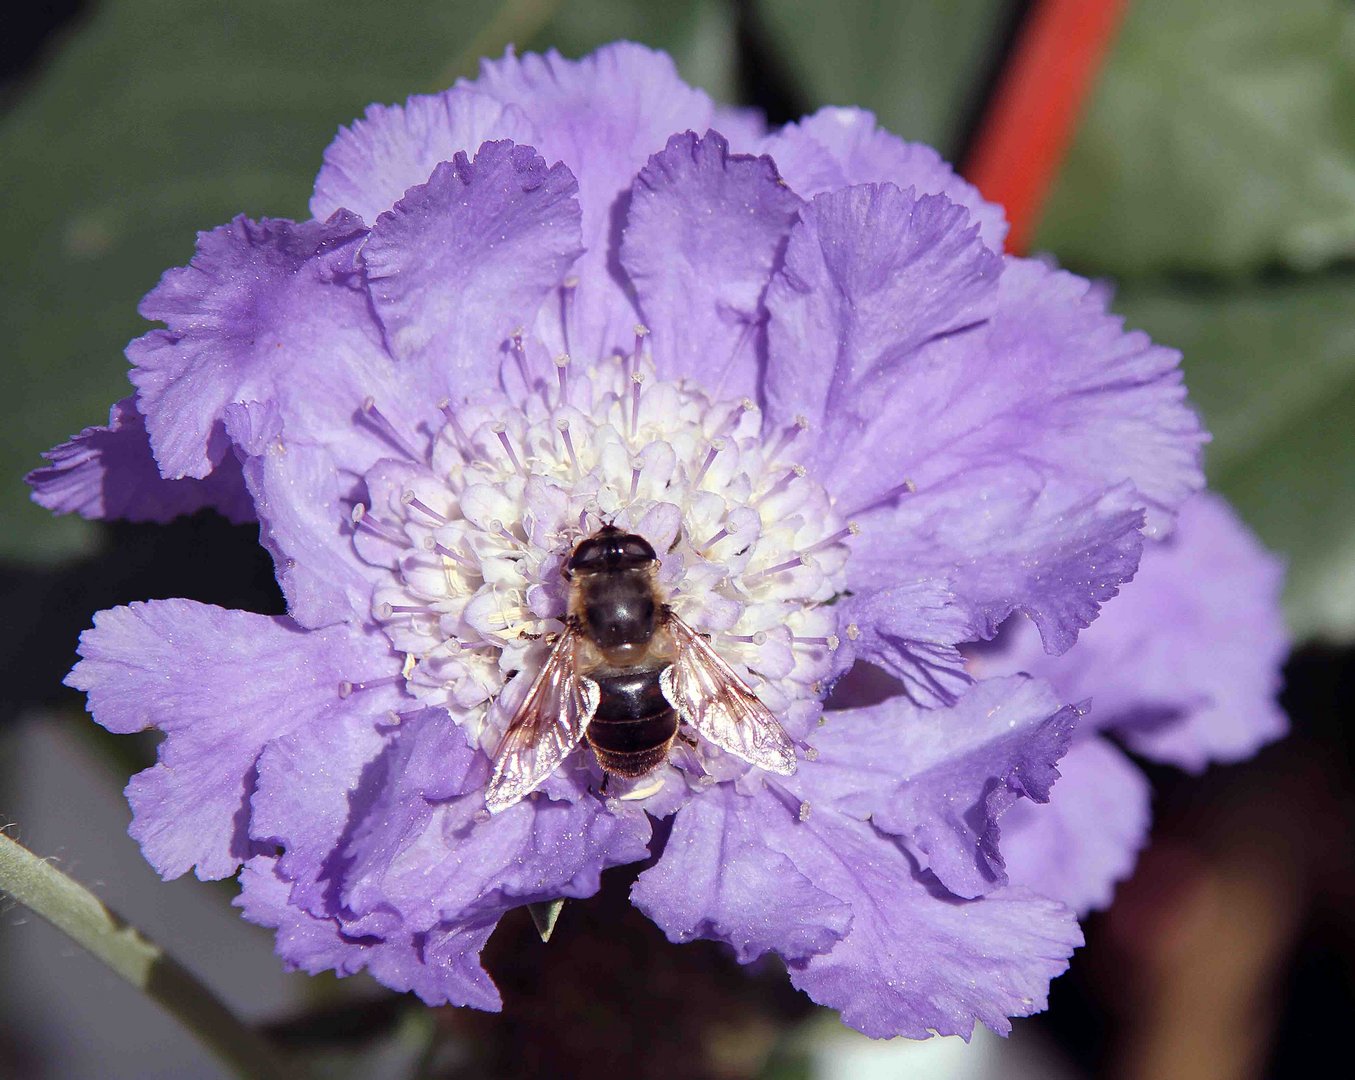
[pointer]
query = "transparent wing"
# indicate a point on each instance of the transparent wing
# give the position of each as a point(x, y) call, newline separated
point(547, 726)
point(709, 695)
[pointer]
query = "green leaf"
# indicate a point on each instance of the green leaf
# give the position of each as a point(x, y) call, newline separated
point(1271, 366)
point(917, 66)
point(157, 118)
point(1221, 138)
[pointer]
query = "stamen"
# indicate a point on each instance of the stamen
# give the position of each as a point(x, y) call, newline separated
point(716, 445)
point(713, 540)
point(850, 529)
point(387, 611)
point(758, 639)
point(788, 436)
point(633, 364)
point(412, 500)
point(793, 473)
point(430, 544)
point(464, 445)
point(562, 425)
point(906, 488)
point(520, 351)
point(635, 466)
point(730, 528)
point(501, 430)
point(361, 519)
point(386, 429)
point(500, 529)
point(789, 564)
point(567, 288)
point(637, 380)
point(562, 374)
point(831, 642)
point(736, 414)
point(347, 689)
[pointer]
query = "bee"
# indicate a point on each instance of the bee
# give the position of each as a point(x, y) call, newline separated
point(623, 676)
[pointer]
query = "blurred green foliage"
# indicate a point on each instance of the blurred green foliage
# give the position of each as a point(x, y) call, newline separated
point(157, 118)
point(1220, 143)
point(920, 67)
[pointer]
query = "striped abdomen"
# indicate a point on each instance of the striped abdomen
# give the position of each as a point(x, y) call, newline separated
point(634, 725)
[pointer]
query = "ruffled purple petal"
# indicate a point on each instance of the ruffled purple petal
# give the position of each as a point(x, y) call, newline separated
point(603, 116)
point(1186, 665)
point(704, 232)
point(1004, 540)
point(264, 311)
point(309, 812)
point(462, 261)
point(912, 631)
point(1075, 847)
point(429, 852)
point(872, 275)
point(371, 164)
point(221, 685)
point(838, 147)
point(441, 966)
point(916, 959)
point(939, 779)
point(108, 472)
point(717, 879)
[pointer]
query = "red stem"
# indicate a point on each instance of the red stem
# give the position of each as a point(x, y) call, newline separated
point(1033, 114)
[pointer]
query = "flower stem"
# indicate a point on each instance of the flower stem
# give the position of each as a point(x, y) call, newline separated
point(82, 916)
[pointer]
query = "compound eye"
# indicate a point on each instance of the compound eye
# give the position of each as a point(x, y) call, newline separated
point(637, 549)
point(590, 555)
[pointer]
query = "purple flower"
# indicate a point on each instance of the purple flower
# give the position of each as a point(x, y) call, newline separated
point(850, 427)
point(1183, 670)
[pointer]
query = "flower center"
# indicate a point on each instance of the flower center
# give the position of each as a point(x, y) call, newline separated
point(750, 549)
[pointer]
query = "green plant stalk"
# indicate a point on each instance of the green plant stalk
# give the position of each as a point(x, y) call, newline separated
point(82, 916)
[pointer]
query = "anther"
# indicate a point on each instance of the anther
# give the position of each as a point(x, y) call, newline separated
point(804, 811)
point(850, 529)
point(788, 436)
point(501, 430)
point(736, 414)
point(795, 472)
point(361, 519)
point(811, 753)
point(387, 430)
point(641, 332)
point(520, 351)
point(562, 374)
point(411, 500)
point(347, 689)
point(430, 544)
point(562, 425)
point(637, 380)
point(906, 488)
point(481, 817)
point(386, 611)
point(853, 631)
point(716, 445)
point(464, 444)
